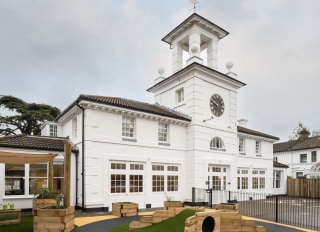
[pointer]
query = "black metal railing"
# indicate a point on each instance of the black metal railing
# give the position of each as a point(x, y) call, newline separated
point(301, 212)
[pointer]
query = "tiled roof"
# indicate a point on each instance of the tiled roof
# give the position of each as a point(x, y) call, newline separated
point(279, 165)
point(256, 133)
point(34, 142)
point(299, 144)
point(130, 104)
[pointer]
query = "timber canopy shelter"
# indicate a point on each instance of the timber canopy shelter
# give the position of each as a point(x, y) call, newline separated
point(25, 158)
point(31, 158)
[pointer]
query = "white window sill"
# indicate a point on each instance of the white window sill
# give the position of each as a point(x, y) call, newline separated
point(18, 197)
point(133, 140)
point(164, 144)
point(217, 149)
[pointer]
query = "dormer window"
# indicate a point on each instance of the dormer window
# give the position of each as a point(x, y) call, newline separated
point(53, 131)
point(180, 95)
point(216, 144)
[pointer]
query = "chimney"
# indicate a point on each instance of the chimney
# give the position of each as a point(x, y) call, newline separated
point(242, 122)
point(304, 134)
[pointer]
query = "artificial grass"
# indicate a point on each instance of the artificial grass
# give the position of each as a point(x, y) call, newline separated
point(174, 224)
point(26, 225)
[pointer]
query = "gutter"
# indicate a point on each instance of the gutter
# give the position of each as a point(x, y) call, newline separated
point(82, 167)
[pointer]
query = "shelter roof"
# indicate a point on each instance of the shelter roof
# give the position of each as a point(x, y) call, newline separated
point(24, 141)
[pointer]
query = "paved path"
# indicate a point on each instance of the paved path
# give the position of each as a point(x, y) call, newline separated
point(110, 221)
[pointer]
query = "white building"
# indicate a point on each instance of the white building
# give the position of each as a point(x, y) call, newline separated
point(190, 137)
point(301, 155)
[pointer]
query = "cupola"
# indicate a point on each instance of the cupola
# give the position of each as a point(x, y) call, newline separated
point(193, 36)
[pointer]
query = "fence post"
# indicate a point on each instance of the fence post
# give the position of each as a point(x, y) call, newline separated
point(229, 196)
point(277, 208)
point(193, 196)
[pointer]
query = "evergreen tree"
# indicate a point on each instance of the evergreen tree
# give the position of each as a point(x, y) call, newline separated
point(27, 118)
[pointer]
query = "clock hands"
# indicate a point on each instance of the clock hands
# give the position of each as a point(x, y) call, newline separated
point(214, 103)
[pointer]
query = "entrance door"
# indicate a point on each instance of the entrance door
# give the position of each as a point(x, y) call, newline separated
point(217, 177)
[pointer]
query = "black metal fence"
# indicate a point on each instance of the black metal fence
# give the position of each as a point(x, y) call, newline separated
point(301, 212)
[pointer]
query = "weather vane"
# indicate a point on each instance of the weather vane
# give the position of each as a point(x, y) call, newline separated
point(194, 2)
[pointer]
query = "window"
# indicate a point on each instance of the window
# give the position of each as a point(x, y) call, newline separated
point(14, 179)
point(180, 95)
point(303, 158)
point(242, 145)
point(17, 175)
point(217, 177)
point(126, 177)
point(128, 127)
point(37, 177)
point(258, 179)
point(163, 132)
point(136, 182)
point(118, 183)
point(165, 176)
point(157, 183)
point(258, 148)
point(53, 131)
point(216, 143)
point(74, 128)
point(299, 175)
point(243, 178)
point(277, 179)
point(58, 176)
point(172, 183)
point(314, 156)
point(275, 159)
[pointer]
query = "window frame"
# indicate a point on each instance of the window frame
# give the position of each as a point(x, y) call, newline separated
point(258, 148)
point(303, 158)
point(165, 177)
point(277, 177)
point(53, 130)
point(242, 145)
point(179, 95)
point(163, 133)
point(75, 127)
point(126, 177)
point(313, 156)
point(128, 128)
point(217, 143)
point(243, 178)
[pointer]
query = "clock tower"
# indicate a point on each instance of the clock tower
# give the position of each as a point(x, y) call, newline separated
point(197, 89)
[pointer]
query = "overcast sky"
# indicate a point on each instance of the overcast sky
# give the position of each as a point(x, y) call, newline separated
point(51, 51)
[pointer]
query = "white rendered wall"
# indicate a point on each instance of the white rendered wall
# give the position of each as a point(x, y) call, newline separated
point(292, 159)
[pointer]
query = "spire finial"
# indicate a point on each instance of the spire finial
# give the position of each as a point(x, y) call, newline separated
point(194, 2)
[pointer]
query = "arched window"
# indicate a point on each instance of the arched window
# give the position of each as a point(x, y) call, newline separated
point(216, 143)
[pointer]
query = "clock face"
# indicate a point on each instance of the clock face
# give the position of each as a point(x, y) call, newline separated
point(216, 105)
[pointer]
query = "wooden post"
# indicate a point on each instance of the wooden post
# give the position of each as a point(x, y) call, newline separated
point(50, 181)
point(67, 173)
